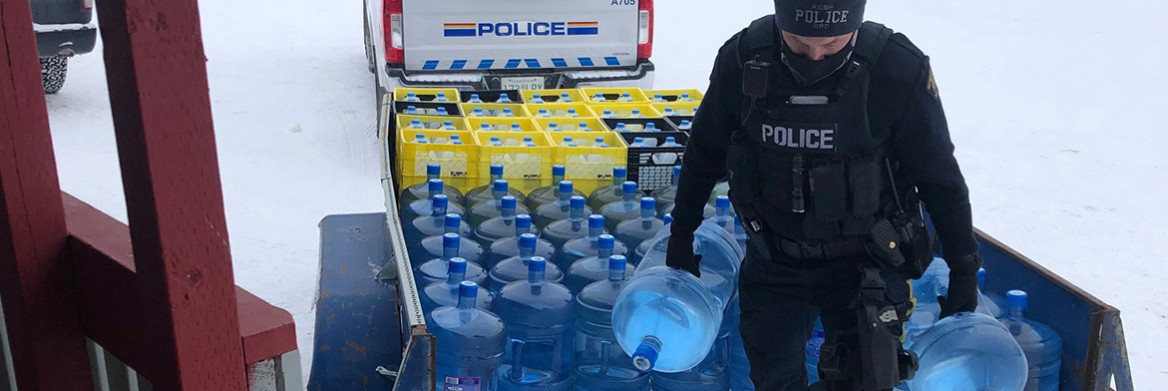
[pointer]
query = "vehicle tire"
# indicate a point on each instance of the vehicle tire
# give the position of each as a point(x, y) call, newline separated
point(53, 70)
point(369, 52)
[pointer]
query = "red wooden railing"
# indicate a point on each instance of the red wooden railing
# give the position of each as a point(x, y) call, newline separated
point(159, 294)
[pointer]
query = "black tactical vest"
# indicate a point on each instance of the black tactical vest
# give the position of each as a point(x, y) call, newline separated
point(806, 164)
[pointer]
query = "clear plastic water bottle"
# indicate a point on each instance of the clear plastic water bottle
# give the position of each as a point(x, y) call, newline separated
point(559, 209)
point(587, 246)
point(968, 351)
point(565, 97)
point(989, 303)
point(625, 97)
point(600, 363)
point(448, 125)
point(470, 343)
point(554, 127)
point(441, 111)
point(667, 319)
point(412, 97)
point(657, 98)
point(669, 112)
point(433, 246)
point(509, 246)
point(636, 114)
point(599, 143)
point(543, 113)
point(722, 216)
point(607, 114)
point(621, 127)
point(637, 142)
point(633, 232)
point(670, 142)
point(503, 98)
point(421, 191)
point(685, 125)
point(484, 211)
point(497, 227)
point(435, 270)
point(529, 142)
point(412, 110)
point(1042, 345)
point(628, 208)
point(417, 124)
point(515, 127)
point(560, 232)
point(445, 293)
point(611, 193)
point(666, 194)
point(569, 143)
point(515, 268)
point(425, 206)
point(536, 99)
point(549, 194)
point(652, 127)
point(474, 98)
point(478, 112)
point(441, 98)
point(485, 193)
point(539, 315)
point(599, 98)
point(572, 113)
point(507, 112)
point(495, 142)
point(685, 98)
point(594, 268)
point(583, 127)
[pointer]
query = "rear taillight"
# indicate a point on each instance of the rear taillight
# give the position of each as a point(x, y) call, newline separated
point(86, 5)
point(395, 48)
point(645, 28)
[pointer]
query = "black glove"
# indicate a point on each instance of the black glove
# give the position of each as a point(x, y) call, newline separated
point(962, 285)
point(679, 255)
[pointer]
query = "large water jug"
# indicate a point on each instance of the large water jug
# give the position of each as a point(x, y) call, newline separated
point(934, 283)
point(712, 374)
point(424, 207)
point(600, 364)
point(498, 227)
point(812, 352)
point(989, 303)
point(486, 192)
point(968, 351)
point(493, 208)
point(1042, 345)
point(739, 364)
point(421, 191)
point(432, 247)
point(559, 209)
point(633, 232)
point(707, 211)
point(434, 224)
point(591, 269)
point(515, 268)
point(435, 270)
point(509, 246)
point(611, 193)
point(470, 343)
point(549, 194)
point(667, 319)
point(445, 293)
point(722, 216)
point(628, 208)
point(539, 317)
point(640, 251)
point(739, 233)
point(666, 194)
point(587, 246)
point(575, 226)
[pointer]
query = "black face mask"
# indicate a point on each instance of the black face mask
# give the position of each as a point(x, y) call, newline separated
point(808, 71)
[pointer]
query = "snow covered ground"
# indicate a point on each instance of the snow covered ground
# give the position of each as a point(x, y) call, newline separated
point(1055, 106)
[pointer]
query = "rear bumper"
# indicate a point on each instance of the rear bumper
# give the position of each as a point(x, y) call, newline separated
point(65, 39)
point(640, 75)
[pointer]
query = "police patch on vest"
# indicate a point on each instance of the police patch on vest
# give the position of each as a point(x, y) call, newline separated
point(932, 87)
point(813, 137)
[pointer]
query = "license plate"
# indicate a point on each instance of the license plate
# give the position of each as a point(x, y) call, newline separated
point(522, 83)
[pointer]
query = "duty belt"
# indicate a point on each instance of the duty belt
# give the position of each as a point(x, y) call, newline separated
point(831, 250)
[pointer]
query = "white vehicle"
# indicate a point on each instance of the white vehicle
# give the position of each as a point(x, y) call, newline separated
point(509, 44)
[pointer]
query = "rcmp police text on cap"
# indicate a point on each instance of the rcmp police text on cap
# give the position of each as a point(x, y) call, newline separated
point(819, 18)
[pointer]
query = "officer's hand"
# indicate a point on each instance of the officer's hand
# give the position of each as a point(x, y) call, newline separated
point(962, 285)
point(679, 255)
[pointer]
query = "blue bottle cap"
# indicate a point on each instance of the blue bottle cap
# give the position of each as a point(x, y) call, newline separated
point(559, 170)
point(981, 276)
point(468, 289)
point(526, 139)
point(607, 112)
point(1016, 298)
point(676, 170)
point(450, 240)
point(722, 202)
point(685, 122)
point(508, 202)
point(456, 265)
point(441, 201)
point(451, 220)
point(436, 185)
point(527, 240)
point(501, 185)
point(620, 172)
point(506, 109)
point(474, 96)
point(595, 221)
point(648, 203)
point(668, 218)
point(669, 140)
point(629, 187)
point(645, 357)
point(433, 169)
point(620, 125)
point(537, 264)
point(536, 96)
point(576, 202)
point(566, 187)
point(606, 241)
point(448, 123)
point(523, 221)
point(617, 262)
point(496, 169)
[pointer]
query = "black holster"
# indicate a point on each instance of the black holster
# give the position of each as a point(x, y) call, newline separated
point(869, 357)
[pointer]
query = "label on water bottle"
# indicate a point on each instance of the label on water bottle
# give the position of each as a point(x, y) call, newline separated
point(462, 383)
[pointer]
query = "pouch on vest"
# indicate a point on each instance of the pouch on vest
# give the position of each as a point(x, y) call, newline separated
point(865, 179)
point(829, 192)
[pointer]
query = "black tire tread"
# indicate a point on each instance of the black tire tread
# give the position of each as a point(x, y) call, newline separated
point(53, 72)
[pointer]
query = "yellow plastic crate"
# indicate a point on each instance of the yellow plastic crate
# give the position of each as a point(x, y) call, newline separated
point(625, 110)
point(673, 95)
point(430, 122)
point(495, 109)
point(525, 168)
point(612, 94)
point(426, 94)
point(459, 162)
point(501, 124)
point(554, 96)
point(587, 166)
point(570, 124)
point(679, 108)
point(560, 110)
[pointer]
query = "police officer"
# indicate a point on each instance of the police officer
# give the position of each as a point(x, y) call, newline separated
point(831, 134)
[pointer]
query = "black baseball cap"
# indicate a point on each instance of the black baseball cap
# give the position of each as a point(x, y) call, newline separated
point(819, 18)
